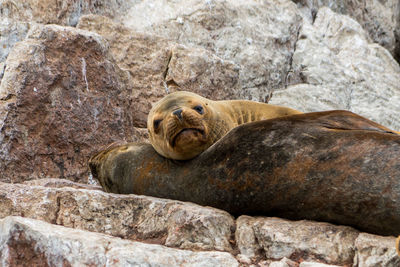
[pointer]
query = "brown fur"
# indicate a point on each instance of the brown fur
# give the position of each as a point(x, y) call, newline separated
point(185, 137)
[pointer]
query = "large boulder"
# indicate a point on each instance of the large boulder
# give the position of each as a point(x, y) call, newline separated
point(380, 19)
point(28, 242)
point(61, 98)
point(227, 28)
point(166, 222)
point(341, 69)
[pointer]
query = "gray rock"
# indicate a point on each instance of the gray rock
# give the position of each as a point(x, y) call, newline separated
point(276, 238)
point(167, 222)
point(378, 18)
point(28, 242)
point(373, 250)
point(59, 12)
point(341, 69)
point(227, 28)
point(11, 32)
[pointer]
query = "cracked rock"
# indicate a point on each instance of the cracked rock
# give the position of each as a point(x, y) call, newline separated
point(167, 222)
point(341, 69)
point(31, 242)
point(62, 98)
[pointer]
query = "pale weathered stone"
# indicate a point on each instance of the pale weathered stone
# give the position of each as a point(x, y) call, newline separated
point(378, 18)
point(59, 11)
point(11, 32)
point(315, 264)
point(278, 238)
point(373, 250)
point(285, 262)
point(172, 223)
point(259, 36)
point(156, 66)
point(62, 98)
point(341, 69)
point(28, 242)
point(59, 183)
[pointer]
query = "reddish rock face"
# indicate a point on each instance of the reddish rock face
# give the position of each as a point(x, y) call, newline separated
point(61, 98)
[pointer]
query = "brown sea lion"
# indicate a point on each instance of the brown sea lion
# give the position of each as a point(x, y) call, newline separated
point(398, 245)
point(184, 124)
point(331, 166)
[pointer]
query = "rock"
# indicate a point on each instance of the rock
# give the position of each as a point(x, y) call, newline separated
point(62, 97)
point(171, 223)
point(378, 18)
point(226, 28)
point(59, 12)
point(341, 69)
point(11, 32)
point(332, 166)
point(60, 183)
point(154, 63)
point(315, 264)
point(285, 262)
point(31, 242)
point(277, 238)
point(372, 250)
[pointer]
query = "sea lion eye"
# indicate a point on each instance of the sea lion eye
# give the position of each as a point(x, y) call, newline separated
point(199, 109)
point(156, 123)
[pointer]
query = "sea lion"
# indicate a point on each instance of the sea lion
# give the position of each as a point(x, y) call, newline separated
point(331, 166)
point(183, 124)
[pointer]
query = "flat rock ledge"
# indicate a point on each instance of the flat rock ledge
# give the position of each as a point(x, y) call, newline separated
point(56, 222)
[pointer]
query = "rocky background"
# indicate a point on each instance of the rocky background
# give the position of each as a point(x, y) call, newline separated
point(78, 75)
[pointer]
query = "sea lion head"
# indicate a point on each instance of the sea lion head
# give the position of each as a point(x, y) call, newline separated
point(178, 125)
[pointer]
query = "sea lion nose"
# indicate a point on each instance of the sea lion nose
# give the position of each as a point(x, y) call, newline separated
point(178, 113)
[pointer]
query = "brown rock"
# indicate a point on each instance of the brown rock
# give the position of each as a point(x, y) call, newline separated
point(157, 65)
point(28, 242)
point(61, 98)
point(277, 238)
point(172, 223)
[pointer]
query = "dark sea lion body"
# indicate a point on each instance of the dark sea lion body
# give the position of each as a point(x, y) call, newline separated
point(327, 166)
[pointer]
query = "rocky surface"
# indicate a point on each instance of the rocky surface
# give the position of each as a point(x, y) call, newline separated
point(61, 98)
point(227, 28)
point(23, 239)
point(67, 92)
point(166, 222)
point(59, 220)
point(349, 72)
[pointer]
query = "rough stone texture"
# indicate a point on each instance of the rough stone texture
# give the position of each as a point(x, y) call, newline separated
point(60, 183)
point(167, 222)
point(28, 242)
point(378, 18)
point(227, 28)
point(275, 238)
point(155, 64)
point(61, 98)
point(373, 250)
point(59, 11)
point(315, 264)
point(11, 32)
point(341, 69)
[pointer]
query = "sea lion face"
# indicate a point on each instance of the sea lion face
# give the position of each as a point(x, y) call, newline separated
point(178, 126)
